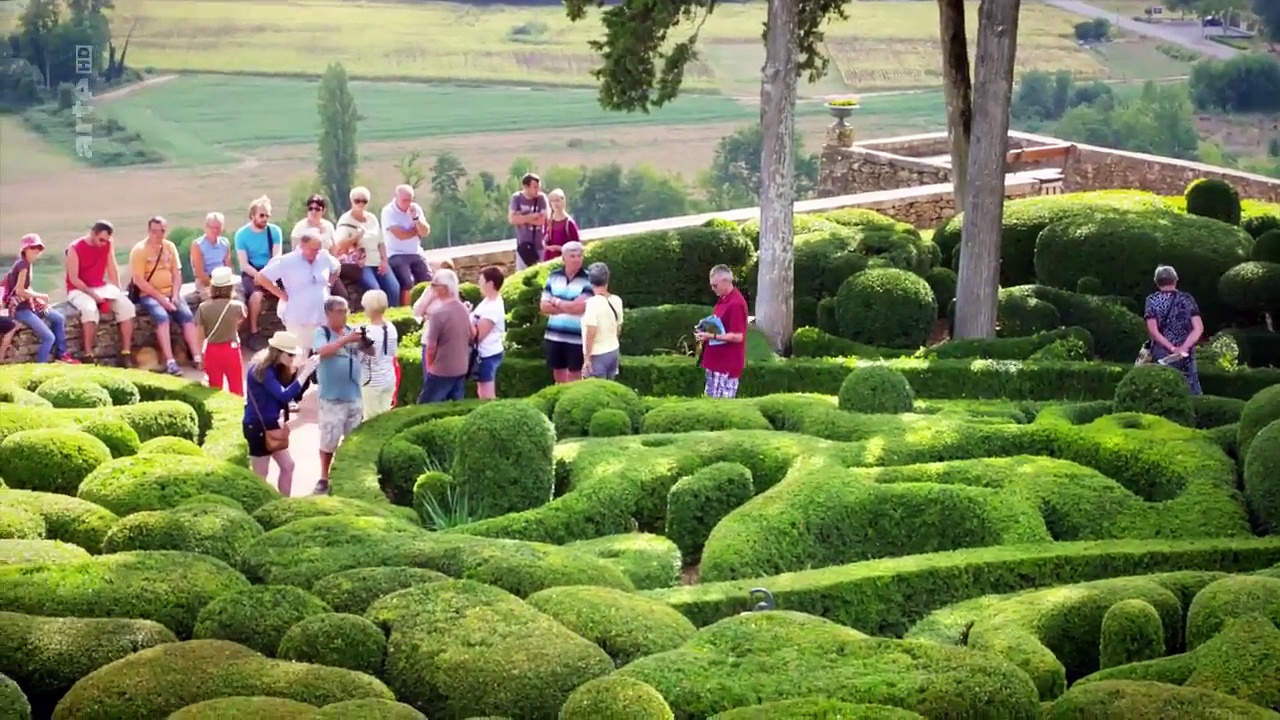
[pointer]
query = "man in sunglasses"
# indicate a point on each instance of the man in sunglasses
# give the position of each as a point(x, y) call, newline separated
point(256, 243)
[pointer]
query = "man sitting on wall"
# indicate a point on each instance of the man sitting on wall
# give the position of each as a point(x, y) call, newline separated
point(93, 287)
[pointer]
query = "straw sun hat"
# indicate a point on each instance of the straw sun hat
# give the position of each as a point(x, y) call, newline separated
point(285, 342)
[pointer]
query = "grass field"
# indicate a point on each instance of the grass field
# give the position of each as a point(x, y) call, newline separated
point(881, 45)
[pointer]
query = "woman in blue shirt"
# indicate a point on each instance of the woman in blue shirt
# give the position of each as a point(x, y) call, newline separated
point(210, 251)
point(271, 385)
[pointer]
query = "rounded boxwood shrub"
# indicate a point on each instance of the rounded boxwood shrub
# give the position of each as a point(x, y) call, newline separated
point(246, 708)
point(610, 422)
point(22, 396)
point(1262, 479)
point(209, 529)
point(886, 307)
point(507, 463)
point(119, 437)
point(1252, 287)
point(166, 445)
point(52, 460)
point(16, 551)
point(13, 703)
point(159, 482)
point(649, 561)
point(17, 523)
point(353, 591)
point(625, 625)
point(1089, 285)
point(161, 418)
point(1132, 631)
point(431, 490)
point(16, 418)
point(617, 698)
point(1155, 389)
point(1020, 315)
point(279, 513)
point(704, 415)
point(817, 709)
point(438, 438)
point(399, 464)
point(943, 283)
point(582, 400)
point(337, 640)
point(1228, 598)
point(697, 502)
point(1135, 700)
point(1267, 247)
point(66, 518)
point(122, 391)
point(213, 499)
point(258, 616)
point(876, 389)
point(1261, 410)
point(161, 680)
point(1213, 198)
point(68, 393)
point(372, 709)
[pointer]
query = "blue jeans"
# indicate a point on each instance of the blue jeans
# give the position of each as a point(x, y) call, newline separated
point(373, 281)
point(181, 313)
point(49, 330)
point(442, 389)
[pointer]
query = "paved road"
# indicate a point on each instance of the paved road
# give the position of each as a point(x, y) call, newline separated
point(1188, 35)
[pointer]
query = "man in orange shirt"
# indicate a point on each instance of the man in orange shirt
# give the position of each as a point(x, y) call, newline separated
point(156, 270)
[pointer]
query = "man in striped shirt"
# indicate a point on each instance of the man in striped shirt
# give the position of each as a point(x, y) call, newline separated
point(564, 298)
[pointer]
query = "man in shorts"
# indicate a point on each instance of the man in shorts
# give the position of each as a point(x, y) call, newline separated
point(564, 299)
point(93, 287)
point(339, 377)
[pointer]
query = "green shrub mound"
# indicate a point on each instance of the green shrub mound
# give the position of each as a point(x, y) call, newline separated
point(431, 493)
point(624, 625)
point(734, 663)
point(119, 437)
point(372, 709)
point(1008, 348)
point(521, 476)
point(47, 655)
point(1262, 479)
point(122, 390)
point(1260, 411)
point(1267, 247)
point(353, 591)
point(19, 524)
point(1228, 598)
point(246, 708)
point(257, 617)
point(876, 389)
point(617, 698)
point(1252, 287)
point(16, 418)
point(610, 422)
point(212, 499)
point(279, 513)
point(1132, 631)
point(166, 445)
point(652, 330)
point(143, 685)
point(50, 460)
point(649, 561)
point(19, 551)
point(1213, 412)
point(168, 587)
point(1117, 328)
point(886, 308)
point(698, 502)
point(209, 529)
point(438, 438)
point(942, 281)
point(1156, 389)
point(1089, 285)
point(461, 648)
point(816, 709)
point(1025, 315)
point(582, 400)
point(13, 703)
point(704, 414)
point(337, 640)
point(161, 482)
point(399, 464)
point(66, 518)
point(70, 393)
point(22, 396)
point(161, 418)
point(1133, 700)
point(1213, 198)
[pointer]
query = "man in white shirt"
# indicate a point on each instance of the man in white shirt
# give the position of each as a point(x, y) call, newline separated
point(405, 227)
point(304, 274)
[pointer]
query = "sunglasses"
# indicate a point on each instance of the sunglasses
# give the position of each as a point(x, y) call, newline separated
point(263, 216)
point(360, 202)
point(315, 207)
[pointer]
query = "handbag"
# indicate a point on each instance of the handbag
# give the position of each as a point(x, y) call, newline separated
point(274, 440)
point(133, 292)
point(1144, 352)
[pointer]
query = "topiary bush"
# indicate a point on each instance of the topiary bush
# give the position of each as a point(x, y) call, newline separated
point(1259, 411)
point(246, 708)
point(13, 703)
point(1089, 285)
point(697, 502)
point(16, 418)
point(610, 422)
point(886, 308)
point(431, 487)
point(623, 624)
point(817, 709)
point(650, 561)
point(117, 435)
point(1252, 287)
point(1156, 389)
point(1267, 247)
point(209, 529)
point(1132, 631)
point(372, 709)
point(353, 591)
point(66, 518)
point(400, 462)
point(1227, 598)
point(159, 482)
point(1213, 198)
point(258, 616)
point(1022, 315)
point(521, 476)
point(279, 513)
point(876, 389)
point(67, 392)
point(17, 523)
point(943, 283)
point(617, 698)
point(337, 640)
point(704, 415)
point(18, 551)
point(214, 499)
point(1134, 700)
point(1262, 479)
point(50, 460)
point(121, 391)
point(165, 445)
point(582, 400)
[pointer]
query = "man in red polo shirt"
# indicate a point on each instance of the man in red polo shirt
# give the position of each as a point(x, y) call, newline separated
point(724, 353)
point(93, 287)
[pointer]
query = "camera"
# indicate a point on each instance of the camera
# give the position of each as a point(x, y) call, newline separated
point(366, 344)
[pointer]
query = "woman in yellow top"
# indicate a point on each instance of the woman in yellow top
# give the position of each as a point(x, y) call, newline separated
point(601, 325)
point(156, 279)
point(359, 229)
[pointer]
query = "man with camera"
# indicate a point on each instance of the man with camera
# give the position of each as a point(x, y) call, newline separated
point(339, 346)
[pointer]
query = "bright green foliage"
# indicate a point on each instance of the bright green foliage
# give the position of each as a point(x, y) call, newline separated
point(1133, 700)
point(650, 561)
point(257, 617)
point(121, 390)
point(159, 482)
point(353, 591)
point(213, 499)
point(506, 463)
point(1262, 479)
point(279, 513)
point(431, 486)
point(336, 640)
point(1252, 287)
point(617, 698)
point(117, 435)
point(816, 709)
point(1158, 390)
point(13, 703)
point(698, 502)
point(887, 308)
point(625, 625)
point(66, 392)
point(1132, 631)
point(1214, 198)
point(246, 708)
point(18, 551)
point(582, 400)
point(166, 445)
point(704, 414)
point(371, 709)
point(1022, 315)
point(17, 523)
point(399, 464)
point(210, 529)
point(876, 389)
point(1261, 410)
point(161, 418)
point(50, 460)
point(66, 518)
point(1231, 597)
point(610, 422)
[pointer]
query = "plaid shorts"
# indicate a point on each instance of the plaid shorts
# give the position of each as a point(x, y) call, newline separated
point(720, 385)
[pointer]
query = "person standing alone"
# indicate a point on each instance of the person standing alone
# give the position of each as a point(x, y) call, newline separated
point(724, 353)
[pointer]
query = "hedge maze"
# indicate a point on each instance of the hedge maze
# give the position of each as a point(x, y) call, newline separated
point(1022, 527)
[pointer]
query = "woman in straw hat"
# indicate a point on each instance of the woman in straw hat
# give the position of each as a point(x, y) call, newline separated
point(272, 385)
point(218, 332)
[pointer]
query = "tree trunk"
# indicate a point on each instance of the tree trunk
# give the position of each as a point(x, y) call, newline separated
point(778, 85)
point(978, 285)
point(958, 88)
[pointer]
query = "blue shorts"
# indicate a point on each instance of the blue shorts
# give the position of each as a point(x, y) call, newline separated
point(181, 312)
point(487, 370)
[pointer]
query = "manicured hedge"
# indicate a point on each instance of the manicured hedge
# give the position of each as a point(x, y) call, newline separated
point(160, 482)
point(209, 529)
point(66, 518)
point(615, 697)
point(1132, 631)
point(1230, 597)
point(52, 460)
point(353, 591)
point(279, 513)
point(19, 551)
point(1127, 700)
point(337, 640)
point(811, 708)
point(1262, 479)
point(246, 708)
point(624, 625)
point(650, 561)
point(256, 617)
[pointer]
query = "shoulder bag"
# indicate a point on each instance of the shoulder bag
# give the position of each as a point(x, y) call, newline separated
point(274, 440)
point(134, 293)
point(1144, 353)
point(204, 349)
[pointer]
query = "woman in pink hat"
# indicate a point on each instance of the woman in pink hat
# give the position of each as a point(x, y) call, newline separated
point(32, 308)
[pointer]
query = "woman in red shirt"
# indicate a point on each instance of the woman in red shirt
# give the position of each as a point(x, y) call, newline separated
point(561, 228)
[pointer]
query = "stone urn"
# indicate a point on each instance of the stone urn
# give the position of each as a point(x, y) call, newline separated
point(840, 132)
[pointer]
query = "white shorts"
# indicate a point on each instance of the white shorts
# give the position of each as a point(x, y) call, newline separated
point(121, 307)
point(377, 400)
point(305, 335)
point(337, 420)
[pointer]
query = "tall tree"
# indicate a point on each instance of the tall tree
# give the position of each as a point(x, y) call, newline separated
point(36, 25)
point(338, 157)
point(733, 180)
point(1268, 12)
point(957, 86)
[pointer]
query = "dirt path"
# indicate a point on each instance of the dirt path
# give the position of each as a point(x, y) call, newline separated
point(128, 89)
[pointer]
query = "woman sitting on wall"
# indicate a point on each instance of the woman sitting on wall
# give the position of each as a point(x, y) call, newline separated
point(32, 308)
